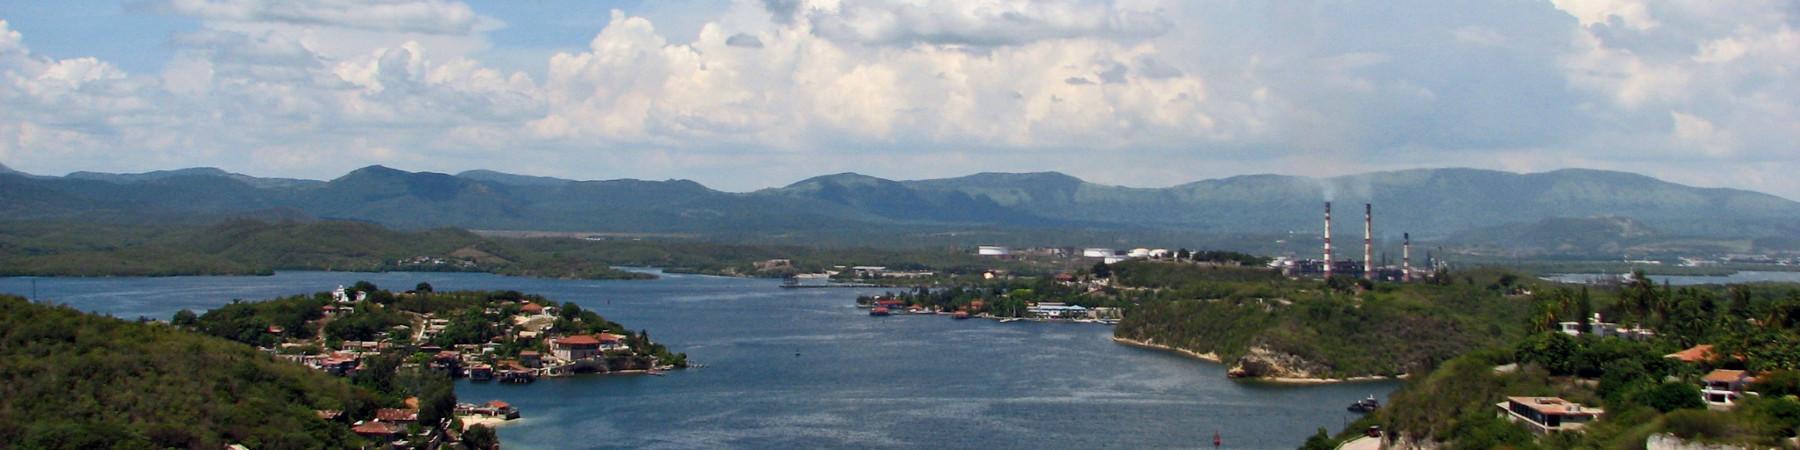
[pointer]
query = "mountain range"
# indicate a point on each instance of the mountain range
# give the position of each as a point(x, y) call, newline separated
point(1430, 204)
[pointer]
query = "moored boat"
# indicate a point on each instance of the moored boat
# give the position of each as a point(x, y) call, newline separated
point(878, 311)
point(1365, 405)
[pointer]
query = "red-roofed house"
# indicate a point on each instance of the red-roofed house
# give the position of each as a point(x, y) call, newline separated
point(382, 431)
point(1723, 388)
point(1548, 414)
point(575, 347)
point(532, 309)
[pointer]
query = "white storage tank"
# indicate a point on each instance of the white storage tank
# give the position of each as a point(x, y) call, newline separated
point(993, 250)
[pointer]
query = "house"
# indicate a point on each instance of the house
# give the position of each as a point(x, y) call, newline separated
point(1605, 329)
point(446, 361)
point(575, 347)
point(531, 309)
point(500, 409)
point(609, 341)
point(531, 358)
point(380, 431)
point(1548, 414)
point(1723, 388)
point(481, 372)
point(397, 416)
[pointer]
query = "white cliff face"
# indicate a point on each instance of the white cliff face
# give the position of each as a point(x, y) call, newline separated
point(1261, 362)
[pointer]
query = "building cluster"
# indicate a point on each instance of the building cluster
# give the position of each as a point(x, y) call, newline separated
point(1720, 389)
point(1605, 329)
point(1104, 254)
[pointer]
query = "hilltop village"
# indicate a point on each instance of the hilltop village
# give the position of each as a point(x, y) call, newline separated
point(371, 336)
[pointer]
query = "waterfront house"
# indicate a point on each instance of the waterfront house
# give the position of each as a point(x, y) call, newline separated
point(481, 372)
point(531, 358)
point(1545, 415)
point(609, 341)
point(1723, 388)
point(575, 347)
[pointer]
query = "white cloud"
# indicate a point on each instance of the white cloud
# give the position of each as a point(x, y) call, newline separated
point(415, 16)
point(1142, 92)
point(970, 22)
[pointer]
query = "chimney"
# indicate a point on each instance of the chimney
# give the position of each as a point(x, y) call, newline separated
point(1328, 240)
point(1406, 256)
point(1368, 241)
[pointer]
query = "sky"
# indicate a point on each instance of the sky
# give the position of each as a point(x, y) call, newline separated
point(746, 94)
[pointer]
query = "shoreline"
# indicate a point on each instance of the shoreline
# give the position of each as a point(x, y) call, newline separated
point(1214, 358)
point(1208, 357)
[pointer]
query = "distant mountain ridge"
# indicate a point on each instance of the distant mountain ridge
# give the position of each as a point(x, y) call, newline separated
point(1428, 203)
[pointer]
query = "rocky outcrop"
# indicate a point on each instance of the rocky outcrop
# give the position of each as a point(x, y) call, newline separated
point(1261, 362)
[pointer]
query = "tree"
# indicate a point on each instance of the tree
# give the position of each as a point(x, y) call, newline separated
point(185, 319)
point(423, 287)
point(1101, 270)
point(1553, 350)
point(480, 437)
point(1319, 441)
point(1670, 396)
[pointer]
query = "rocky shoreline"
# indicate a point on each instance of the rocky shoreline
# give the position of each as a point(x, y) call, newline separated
point(1252, 367)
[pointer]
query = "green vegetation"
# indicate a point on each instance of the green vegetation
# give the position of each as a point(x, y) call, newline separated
point(1642, 392)
point(73, 380)
point(1270, 325)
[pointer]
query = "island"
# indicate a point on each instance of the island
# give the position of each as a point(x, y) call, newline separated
point(357, 366)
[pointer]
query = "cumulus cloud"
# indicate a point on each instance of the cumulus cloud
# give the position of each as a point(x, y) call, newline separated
point(418, 16)
point(970, 22)
point(768, 91)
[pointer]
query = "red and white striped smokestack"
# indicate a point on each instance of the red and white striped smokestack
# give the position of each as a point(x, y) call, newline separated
point(1368, 241)
point(1406, 256)
point(1328, 240)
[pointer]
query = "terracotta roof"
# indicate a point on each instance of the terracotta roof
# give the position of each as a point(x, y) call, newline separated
point(376, 428)
point(532, 307)
point(607, 337)
point(577, 340)
point(397, 415)
point(499, 404)
point(1698, 353)
point(1722, 375)
point(1556, 406)
point(530, 353)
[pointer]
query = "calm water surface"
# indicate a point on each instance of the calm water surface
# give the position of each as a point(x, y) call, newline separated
point(803, 368)
point(1689, 280)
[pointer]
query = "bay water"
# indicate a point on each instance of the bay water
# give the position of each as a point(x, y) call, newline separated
point(805, 368)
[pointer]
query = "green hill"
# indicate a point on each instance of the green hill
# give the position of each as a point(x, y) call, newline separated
point(79, 381)
point(1431, 204)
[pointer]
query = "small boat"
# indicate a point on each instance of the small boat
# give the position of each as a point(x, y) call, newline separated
point(878, 311)
point(960, 315)
point(1009, 319)
point(1365, 405)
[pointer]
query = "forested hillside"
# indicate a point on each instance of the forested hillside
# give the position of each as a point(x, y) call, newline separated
point(1432, 204)
point(1275, 327)
point(78, 381)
